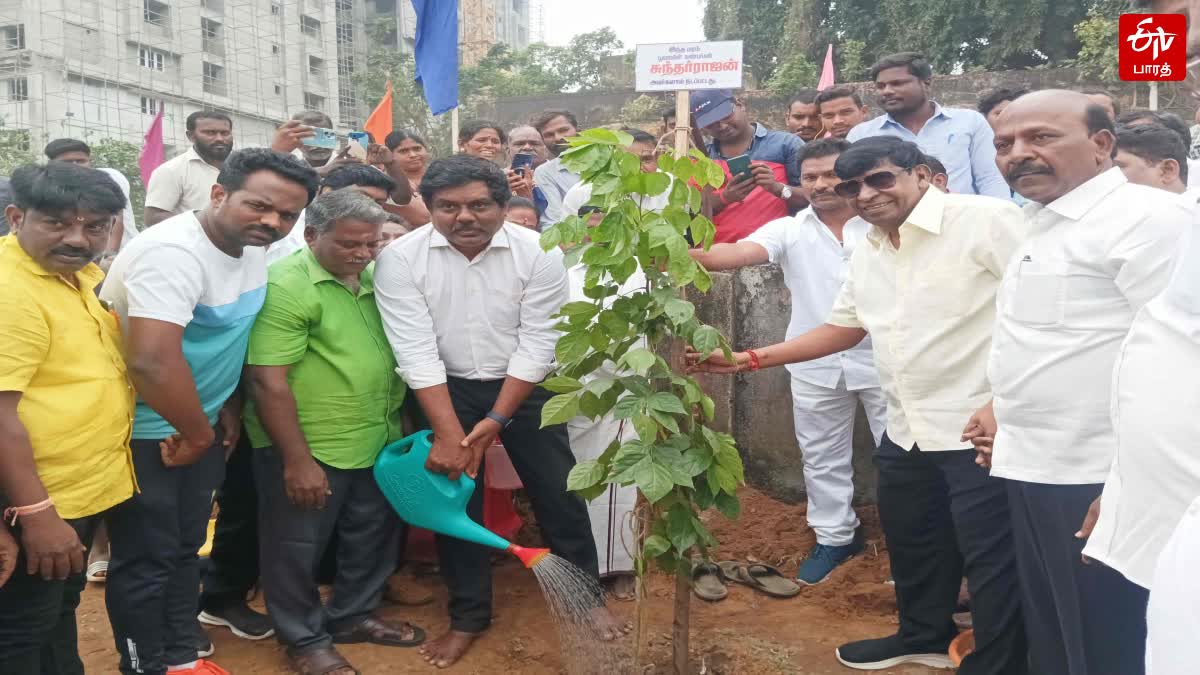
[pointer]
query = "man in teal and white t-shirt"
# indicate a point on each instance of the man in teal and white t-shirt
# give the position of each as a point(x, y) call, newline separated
point(187, 292)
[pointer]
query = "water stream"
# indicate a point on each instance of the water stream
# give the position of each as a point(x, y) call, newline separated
point(573, 597)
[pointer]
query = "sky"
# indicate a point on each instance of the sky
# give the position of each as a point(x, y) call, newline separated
point(635, 21)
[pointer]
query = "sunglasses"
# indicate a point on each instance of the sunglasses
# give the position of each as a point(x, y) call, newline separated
point(880, 180)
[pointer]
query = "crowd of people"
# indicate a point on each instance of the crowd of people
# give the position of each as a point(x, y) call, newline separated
point(1009, 293)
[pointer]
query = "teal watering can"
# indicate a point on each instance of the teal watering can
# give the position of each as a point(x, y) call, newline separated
point(434, 502)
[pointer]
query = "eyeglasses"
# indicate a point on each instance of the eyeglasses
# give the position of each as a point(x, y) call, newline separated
point(880, 180)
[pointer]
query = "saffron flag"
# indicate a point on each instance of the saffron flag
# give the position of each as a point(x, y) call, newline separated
point(827, 71)
point(436, 52)
point(379, 124)
point(153, 151)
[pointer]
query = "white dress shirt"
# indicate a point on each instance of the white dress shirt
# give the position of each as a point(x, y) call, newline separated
point(814, 266)
point(1093, 257)
point(182, 183)
point(1173, 613)
point(1156, 417)
point(480, 319)
point(930, 307)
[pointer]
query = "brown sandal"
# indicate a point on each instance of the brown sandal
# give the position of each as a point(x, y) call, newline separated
point(320, 661)
point(379, 632)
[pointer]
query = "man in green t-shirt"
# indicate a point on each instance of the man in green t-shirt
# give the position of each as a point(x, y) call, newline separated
point(326, 400)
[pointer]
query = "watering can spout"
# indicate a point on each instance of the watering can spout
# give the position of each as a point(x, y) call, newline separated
point(434, 502)
point(529, 556)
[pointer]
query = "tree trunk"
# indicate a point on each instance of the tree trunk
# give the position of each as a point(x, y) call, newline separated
point(680, 624)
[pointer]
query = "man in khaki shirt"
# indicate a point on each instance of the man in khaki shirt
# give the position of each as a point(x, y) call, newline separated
point(184, 183)
point(924, 287)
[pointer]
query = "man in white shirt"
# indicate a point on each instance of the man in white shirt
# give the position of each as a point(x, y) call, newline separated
point(187, 293)
point(923, 285)
point(1099, 248)
point(467, 304)
point(184, 183)
point(814, 249)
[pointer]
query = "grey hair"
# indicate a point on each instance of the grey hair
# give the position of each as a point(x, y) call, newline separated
point(322, 215)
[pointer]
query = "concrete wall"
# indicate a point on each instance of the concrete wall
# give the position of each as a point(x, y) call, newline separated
point(751, 307)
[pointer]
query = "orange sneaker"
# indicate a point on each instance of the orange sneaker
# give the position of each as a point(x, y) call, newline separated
point(202, 667)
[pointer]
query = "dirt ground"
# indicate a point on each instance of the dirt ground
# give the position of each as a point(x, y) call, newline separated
point(745, 634)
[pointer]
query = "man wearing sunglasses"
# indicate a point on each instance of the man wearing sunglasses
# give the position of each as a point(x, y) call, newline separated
point(923, 285)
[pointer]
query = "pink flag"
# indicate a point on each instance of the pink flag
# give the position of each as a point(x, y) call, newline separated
point(827, 71)
point(153, 152)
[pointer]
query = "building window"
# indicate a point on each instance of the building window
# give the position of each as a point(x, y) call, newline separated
point(18, 89)
point(278, 90)
point(150, 106)
point(214, 79)
point(211, 38)
point(151, 58)
point(275, 50)
point(13, 36)
point(343, 5)
point(316, 66)
point(314, 102)
point(154, 12)
point(213, 5)
point(310, 26)
point(274, 9)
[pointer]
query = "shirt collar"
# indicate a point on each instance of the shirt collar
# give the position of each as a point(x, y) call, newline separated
point(938, 111)
point(926, 215)
point(499, 240)
point(1075, 204)
point(760, 131)
point(318, 274)
point(88, 277)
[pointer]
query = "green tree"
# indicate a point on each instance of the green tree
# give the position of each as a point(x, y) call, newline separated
point(759, 24)
point(15, 149)
point(1097, 35)
point(122, 156)
point(680, 465)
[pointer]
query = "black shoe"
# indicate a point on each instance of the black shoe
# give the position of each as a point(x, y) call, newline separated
point(243, 621)
point(887, 652)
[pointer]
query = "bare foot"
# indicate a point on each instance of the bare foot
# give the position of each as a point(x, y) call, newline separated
point(608, 625)
point(623, 587)
point(446, 650)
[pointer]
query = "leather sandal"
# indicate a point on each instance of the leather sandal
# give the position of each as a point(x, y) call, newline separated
point(319, 661)
point(379, 632)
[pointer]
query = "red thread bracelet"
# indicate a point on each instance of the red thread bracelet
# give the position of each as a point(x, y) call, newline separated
point(754, 362)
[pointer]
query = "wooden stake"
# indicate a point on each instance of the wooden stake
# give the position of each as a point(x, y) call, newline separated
point(683, 123)
point(454, 130)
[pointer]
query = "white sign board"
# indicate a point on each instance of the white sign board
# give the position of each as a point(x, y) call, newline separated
point(689, 65)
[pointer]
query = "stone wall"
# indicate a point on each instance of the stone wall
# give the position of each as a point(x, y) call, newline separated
point(752, 307)
point(596, 109)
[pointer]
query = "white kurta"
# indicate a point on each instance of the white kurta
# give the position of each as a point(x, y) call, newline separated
point(612, 512)
point(1173, 618)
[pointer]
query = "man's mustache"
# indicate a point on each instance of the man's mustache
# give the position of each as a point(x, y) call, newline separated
point(72, 252)
point(1027, 169)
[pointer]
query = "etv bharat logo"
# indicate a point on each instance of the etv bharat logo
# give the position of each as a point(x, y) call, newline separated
point(1153, 47)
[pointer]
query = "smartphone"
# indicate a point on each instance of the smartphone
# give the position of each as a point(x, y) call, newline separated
point(522, 161)
point(739, 167)
point(322, 138)
point(357, 147)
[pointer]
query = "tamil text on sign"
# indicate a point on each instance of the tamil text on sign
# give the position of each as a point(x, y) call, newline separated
point(690, 66)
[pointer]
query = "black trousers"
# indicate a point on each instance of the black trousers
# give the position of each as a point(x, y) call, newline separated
point(233, 563)
point(153, 583)
point(38, 634)
point(944, 516)
point(1081, 619)
point(542, 458)
point(293, 540)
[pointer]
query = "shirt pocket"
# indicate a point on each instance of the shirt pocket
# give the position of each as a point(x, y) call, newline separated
point(1037, 292)
point(503, 310)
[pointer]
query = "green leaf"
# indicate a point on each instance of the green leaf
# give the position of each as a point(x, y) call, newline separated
point(599, 340)
point(703, 496)
point(627, 407)
point(604, 136)
point(666, 402)
point(696, 460)
point(728, 505)
point(600, 385)
point(613, 324)
point(562, 385)
point(679, 528)
point(721, 480)
point(692, 393)
point(586, 474)
point(684, 171)
point(559, 409)
point(655, 546)
point(590, 494)
point(705, 339)
point(702, 280)
point(680, 311)
point(654, 184)
point(646, 428)
point(629, 162)
point(572, 346)
point(573, 309)
point(665, 420)
point(709, 408)
point(639, 360)
point(654, 480)
point(590, 405)
point(666, 162)
point(716, 175)
point(730, 460)
point(551, 237)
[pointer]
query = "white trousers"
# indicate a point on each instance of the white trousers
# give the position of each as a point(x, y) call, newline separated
point(824, 420)
point(612, 512)
point(1173, 617)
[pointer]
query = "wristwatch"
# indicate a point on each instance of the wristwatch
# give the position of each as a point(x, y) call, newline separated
point(786, 193)
point(499, 419)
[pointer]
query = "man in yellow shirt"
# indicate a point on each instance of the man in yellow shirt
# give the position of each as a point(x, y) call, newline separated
point(66, 406)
